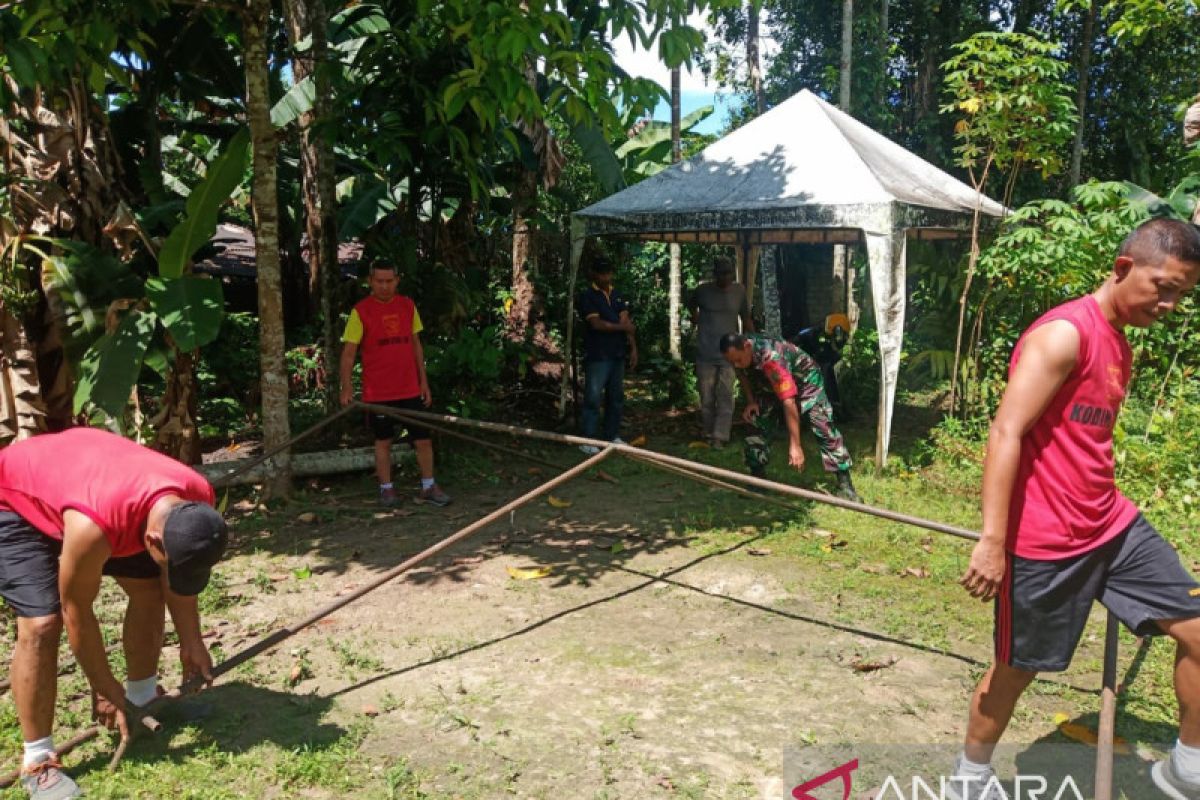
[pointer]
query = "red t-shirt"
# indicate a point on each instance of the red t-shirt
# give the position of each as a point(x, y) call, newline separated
point(1065, 500)
point(385, 339)
point(110, 479)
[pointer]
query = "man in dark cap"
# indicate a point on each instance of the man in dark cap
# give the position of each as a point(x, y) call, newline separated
point(75, 506)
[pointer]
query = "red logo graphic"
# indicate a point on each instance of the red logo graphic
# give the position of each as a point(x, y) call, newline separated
point(391, 325)
point(801, 792)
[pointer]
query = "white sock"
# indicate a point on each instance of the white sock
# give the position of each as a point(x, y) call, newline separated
point(384, 486)
point(141, 692)
point(426, 483)
point(38, 751)
point(969, 769)
point(1186, 761)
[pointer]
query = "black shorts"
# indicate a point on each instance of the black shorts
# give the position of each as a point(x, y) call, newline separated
point(383, 426)
point(1043, 606)
point(29, 567)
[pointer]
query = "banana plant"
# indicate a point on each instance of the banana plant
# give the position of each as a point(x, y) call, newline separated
point(117, 321)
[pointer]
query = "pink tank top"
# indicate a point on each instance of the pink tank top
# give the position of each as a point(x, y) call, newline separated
point(1065, 501)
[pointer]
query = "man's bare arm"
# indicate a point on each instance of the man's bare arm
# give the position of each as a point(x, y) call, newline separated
point(1048, 355)
point(83, 555)
point(346, 372)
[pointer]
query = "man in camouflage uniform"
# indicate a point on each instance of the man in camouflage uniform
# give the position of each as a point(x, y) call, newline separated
point(796, 380)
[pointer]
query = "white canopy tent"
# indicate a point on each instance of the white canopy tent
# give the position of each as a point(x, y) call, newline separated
point(802, 172)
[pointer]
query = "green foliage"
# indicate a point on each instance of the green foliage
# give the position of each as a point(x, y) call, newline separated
point(190, 308)
point(204, 201)
point(1015, 108)
point(464, 372)
point(109, 370)
point(227, 376)
point(86, 281)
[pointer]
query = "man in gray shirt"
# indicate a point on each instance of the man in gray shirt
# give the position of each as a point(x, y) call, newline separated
point(715, 308)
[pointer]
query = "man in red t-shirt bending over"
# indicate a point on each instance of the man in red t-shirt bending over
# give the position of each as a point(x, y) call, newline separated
point(1057, 534)
point(74, 506)
point(387, 328)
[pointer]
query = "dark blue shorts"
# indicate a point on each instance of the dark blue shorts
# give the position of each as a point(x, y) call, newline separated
point(384, 426)
point(1043, 606)
point(29, 567)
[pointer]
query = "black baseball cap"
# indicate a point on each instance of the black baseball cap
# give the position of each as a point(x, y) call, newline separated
point(194, 536)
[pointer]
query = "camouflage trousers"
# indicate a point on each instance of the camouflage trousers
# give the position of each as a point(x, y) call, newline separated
point(819, 413)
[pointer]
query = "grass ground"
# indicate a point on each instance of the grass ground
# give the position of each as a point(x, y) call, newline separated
point(682, 641)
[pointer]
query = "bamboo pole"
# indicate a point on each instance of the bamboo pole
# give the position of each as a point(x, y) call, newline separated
point(282, 634)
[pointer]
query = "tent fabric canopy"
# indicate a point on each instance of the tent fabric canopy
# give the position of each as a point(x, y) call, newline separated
point(804, 166)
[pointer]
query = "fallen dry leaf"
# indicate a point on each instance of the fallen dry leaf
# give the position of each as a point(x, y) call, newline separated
point(533, 573)
point(558, 502)
point(638, 441)
point(1084, 734)
point(862, 665)
point(369, 710)
point(875, 569)
point(914, 572)
point(759, 551)
point(535, 470)
point(307, 518)
point(296, 675)
point(666, 783)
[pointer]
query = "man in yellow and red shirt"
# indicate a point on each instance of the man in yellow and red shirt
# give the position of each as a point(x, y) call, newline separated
point(387, 328)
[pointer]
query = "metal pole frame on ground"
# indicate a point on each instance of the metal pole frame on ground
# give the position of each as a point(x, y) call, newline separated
point(702, 473)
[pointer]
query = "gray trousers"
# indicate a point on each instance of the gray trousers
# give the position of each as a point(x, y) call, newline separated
point(715, 382)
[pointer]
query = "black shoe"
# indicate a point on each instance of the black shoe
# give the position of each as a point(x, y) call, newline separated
point(845, 487)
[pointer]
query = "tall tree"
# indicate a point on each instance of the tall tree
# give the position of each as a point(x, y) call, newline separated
point(1083, 72)
point(753, 55)
point(675, 289)
point(308, 19)
point(255, 28)
point(846, 64)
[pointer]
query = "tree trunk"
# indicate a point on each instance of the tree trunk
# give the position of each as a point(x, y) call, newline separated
point(266, 243)
point(520, 314)
point(1191, 135)
point(1081, 94)
point(847, 60)
point(310, 18)
point(675, 298)
point(175, 425)
point(22, 410)
point(884, 51)
point(753, 58)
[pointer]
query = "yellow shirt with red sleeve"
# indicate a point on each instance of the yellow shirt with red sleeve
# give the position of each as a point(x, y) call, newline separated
point(109, 479)
point(384, 334)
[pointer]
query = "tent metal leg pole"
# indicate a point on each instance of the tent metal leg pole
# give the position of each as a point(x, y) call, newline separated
point(285, 633)
point(695, 476)
point(694, 466)
point(220, 480)
point(1108, 712)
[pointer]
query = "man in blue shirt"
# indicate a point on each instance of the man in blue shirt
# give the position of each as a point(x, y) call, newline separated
point(608, 337)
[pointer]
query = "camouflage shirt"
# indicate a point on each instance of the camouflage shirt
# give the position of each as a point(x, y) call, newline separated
point(791, 372)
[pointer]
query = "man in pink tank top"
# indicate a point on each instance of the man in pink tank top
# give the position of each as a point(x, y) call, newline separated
point(1057, 533)
point(74, 506)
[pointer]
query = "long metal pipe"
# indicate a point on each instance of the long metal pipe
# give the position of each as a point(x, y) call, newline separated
point(282, 634)
point(221, 480)
point(694, 466)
